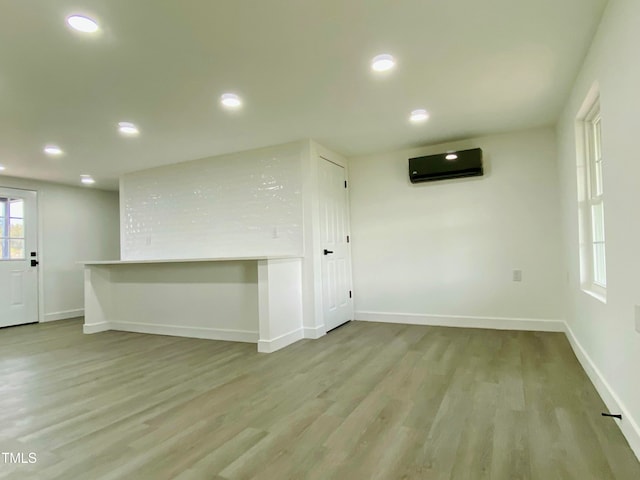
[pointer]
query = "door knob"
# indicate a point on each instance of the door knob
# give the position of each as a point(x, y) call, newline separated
point(327, 252)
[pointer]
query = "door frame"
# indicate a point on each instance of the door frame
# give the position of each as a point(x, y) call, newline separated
point(319, 154)
point(38, 223)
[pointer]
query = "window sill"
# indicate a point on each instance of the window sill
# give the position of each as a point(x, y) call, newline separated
point(597, 295)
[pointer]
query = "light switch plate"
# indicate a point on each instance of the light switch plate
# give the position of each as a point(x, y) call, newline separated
point(517, 275)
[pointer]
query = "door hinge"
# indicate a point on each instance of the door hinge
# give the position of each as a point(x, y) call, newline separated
point(345, 184)
point(349, 293)
point(347, 238)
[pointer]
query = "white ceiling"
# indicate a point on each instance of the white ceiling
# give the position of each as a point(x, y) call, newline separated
point(301, 66)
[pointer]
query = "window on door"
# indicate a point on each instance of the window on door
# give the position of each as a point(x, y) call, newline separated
point(593, 261)
point(12, 232)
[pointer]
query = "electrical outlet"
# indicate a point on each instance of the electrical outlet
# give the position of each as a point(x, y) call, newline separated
point(517, 275)
point(638, 318)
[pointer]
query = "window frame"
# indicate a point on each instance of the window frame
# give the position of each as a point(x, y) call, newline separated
point(5, 232)
point(594, 274)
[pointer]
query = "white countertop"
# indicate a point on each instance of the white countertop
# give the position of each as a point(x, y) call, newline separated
point(187, 260)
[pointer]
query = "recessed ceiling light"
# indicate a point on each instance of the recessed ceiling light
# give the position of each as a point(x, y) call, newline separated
point(87, 179)
point(53, 150)
point(2, 168)
point(82, 24)
point(231, 100)
point(419, 115)
point(451, 156)
point(128, 128)
point(382, 63)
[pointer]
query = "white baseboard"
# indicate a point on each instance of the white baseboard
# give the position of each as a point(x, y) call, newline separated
point(628, 425)
point(95, 327)
point(52, 317)
point(494, 323)
point(270, 346)
point(176, 331)
point(314, 332)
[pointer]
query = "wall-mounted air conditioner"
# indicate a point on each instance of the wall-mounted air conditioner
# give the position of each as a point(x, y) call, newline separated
point(464, 163)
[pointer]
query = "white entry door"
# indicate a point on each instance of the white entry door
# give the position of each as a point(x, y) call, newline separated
point(336, 260)
point(18, 240)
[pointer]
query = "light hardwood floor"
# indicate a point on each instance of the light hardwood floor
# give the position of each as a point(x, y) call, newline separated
point(368, 401)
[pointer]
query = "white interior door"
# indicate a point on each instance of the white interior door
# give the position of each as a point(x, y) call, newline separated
point(18, 241)
point(336, 261)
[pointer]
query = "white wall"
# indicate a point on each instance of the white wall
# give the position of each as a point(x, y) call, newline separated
point(604, 334)
point(448, 248)
point(238, 205)
point(75, 224)
point(280, 295)
point(214, 300)
point(255, 203)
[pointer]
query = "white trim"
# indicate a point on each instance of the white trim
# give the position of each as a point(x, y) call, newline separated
point(95, 327)
point(152, 261)
point(54, 316)
point(592, 293)
point(315, 332)
point(176, 331)
point(41, 258)
point(269, 346)
point(627, 425)
point(496, 323)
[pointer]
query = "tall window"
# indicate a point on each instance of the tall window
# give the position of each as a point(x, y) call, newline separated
point(595, 278)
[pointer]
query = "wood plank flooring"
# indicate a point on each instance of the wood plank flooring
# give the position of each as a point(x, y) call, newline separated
point(368, 401)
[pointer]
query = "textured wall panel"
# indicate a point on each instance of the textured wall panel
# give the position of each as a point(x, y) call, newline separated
point(244, 204)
